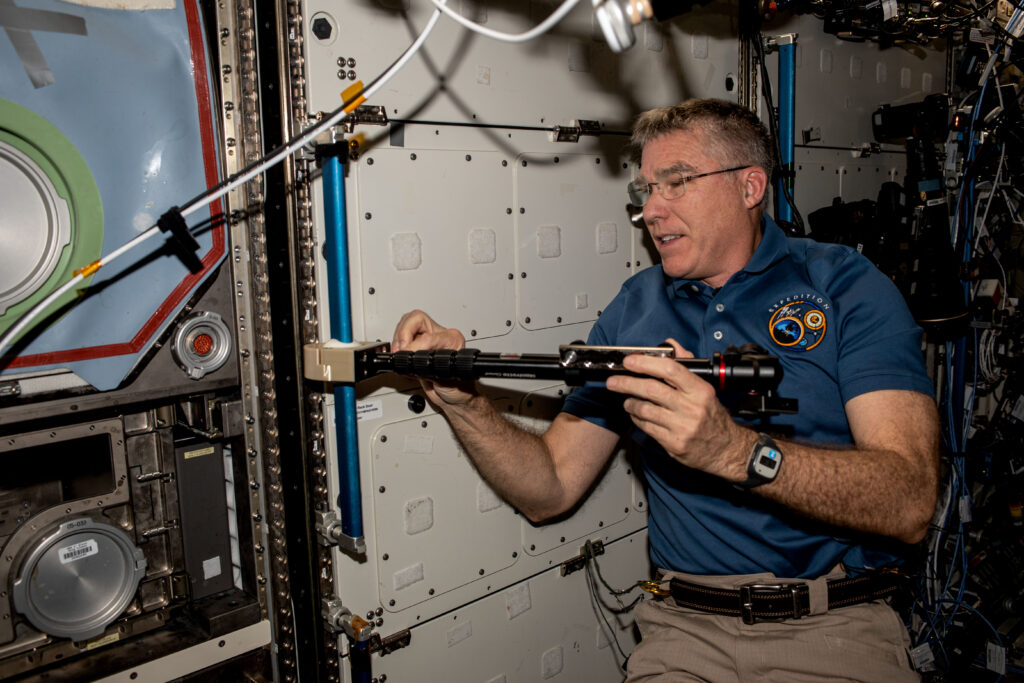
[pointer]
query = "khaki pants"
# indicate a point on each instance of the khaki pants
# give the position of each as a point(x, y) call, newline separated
point(865, 642)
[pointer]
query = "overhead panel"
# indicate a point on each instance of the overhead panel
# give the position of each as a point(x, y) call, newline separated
point(569, 73)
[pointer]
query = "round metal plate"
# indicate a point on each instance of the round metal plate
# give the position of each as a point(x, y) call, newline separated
point(35, 226)
point(202, 344)
point(52, 221)
point(78, 579)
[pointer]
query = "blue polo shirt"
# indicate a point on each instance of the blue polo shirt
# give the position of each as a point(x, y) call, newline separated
point(840, 329)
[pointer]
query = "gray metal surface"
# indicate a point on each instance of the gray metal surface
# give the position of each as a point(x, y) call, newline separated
point(78, 579)
point(35, 226)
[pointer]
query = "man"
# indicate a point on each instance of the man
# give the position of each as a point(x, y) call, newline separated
point(856, 479)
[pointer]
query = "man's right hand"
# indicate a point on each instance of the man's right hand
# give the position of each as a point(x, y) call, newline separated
point(417, 331)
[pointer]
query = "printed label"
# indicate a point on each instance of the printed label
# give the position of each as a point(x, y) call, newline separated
point(198, 452)
point(78, 551)
point(369, 410)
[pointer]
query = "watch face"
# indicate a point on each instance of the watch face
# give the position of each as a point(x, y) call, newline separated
point(766, 462)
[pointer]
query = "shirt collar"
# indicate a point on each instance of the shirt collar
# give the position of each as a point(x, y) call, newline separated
point(774, 246)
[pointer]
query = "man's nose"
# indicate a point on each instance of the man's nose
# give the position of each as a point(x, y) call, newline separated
point(656, 206)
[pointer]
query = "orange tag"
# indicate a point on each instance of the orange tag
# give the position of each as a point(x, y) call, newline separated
point(86, 271)
point(355, 90)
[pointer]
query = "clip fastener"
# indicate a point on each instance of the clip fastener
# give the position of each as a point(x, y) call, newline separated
point(654, 588)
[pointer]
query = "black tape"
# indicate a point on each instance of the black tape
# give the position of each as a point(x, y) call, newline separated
point(181, 240)
point(331, 149)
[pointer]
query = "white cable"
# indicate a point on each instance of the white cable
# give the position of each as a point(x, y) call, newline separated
point(12, 333)
point(312, 133)
point(539, 29)
point(995, 184)
point(37, 310)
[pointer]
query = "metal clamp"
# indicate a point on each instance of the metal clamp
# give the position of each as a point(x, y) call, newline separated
point(749, 590)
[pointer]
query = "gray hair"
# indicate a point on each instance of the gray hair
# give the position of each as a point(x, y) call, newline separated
point(731, 133)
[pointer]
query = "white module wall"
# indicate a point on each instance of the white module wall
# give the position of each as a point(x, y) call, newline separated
point(465, 207)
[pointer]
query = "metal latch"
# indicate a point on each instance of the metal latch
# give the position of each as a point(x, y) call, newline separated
point(369, 115)
point(340, 618)
point(589, 550)
point(395, 641)
point(574, 130)
point(328, 527)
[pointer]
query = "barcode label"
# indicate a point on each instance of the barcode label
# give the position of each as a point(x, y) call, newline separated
point(78, 551)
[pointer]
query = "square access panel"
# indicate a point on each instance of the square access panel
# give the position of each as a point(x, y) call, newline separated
point(438, 525)
point(435, 232)
point(573, 236)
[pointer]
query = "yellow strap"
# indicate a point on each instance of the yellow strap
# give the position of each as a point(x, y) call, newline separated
point(354, 90)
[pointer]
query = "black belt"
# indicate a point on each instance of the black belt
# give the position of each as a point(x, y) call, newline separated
point(766, 601)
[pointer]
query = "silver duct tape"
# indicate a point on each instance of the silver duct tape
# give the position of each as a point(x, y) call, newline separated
point(19, 21)
point(14, 17)
point(31, 57)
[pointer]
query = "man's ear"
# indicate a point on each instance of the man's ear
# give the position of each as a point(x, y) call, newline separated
point(755, 184)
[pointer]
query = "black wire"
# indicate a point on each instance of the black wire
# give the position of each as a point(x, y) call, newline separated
point(599, 603)
point(501, 126)
point(588, 551)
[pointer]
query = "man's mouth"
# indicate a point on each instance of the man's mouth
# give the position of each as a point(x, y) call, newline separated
point(665, 239)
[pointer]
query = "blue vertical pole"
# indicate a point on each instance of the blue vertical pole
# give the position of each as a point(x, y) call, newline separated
point(787, 121)
point(339, 290)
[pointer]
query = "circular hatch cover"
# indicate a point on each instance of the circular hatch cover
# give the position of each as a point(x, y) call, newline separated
point(78, 579)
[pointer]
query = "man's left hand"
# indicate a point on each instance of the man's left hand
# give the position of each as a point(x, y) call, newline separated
point(682, 413)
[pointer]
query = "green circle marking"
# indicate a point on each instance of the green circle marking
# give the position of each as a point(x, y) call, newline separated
point(56, 157)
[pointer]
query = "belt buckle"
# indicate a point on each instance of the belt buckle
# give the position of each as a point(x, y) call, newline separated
point(748, 590)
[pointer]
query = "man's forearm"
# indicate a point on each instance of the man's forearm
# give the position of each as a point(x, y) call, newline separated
point(874, 491)
point(514, 462)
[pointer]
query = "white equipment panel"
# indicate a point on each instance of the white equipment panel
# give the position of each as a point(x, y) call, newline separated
point(541, 629)
point(573, 236)
point(832, 173)
point(606, 505)
point(438, 525)
point(465, 206)
point(436, 232)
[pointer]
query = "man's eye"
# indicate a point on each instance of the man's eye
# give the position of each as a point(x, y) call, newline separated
point(675, 183)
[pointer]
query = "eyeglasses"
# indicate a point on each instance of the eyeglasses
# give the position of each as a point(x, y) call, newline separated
point(672, 188)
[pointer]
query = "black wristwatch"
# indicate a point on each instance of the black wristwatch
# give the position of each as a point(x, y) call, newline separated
point(764, 463)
